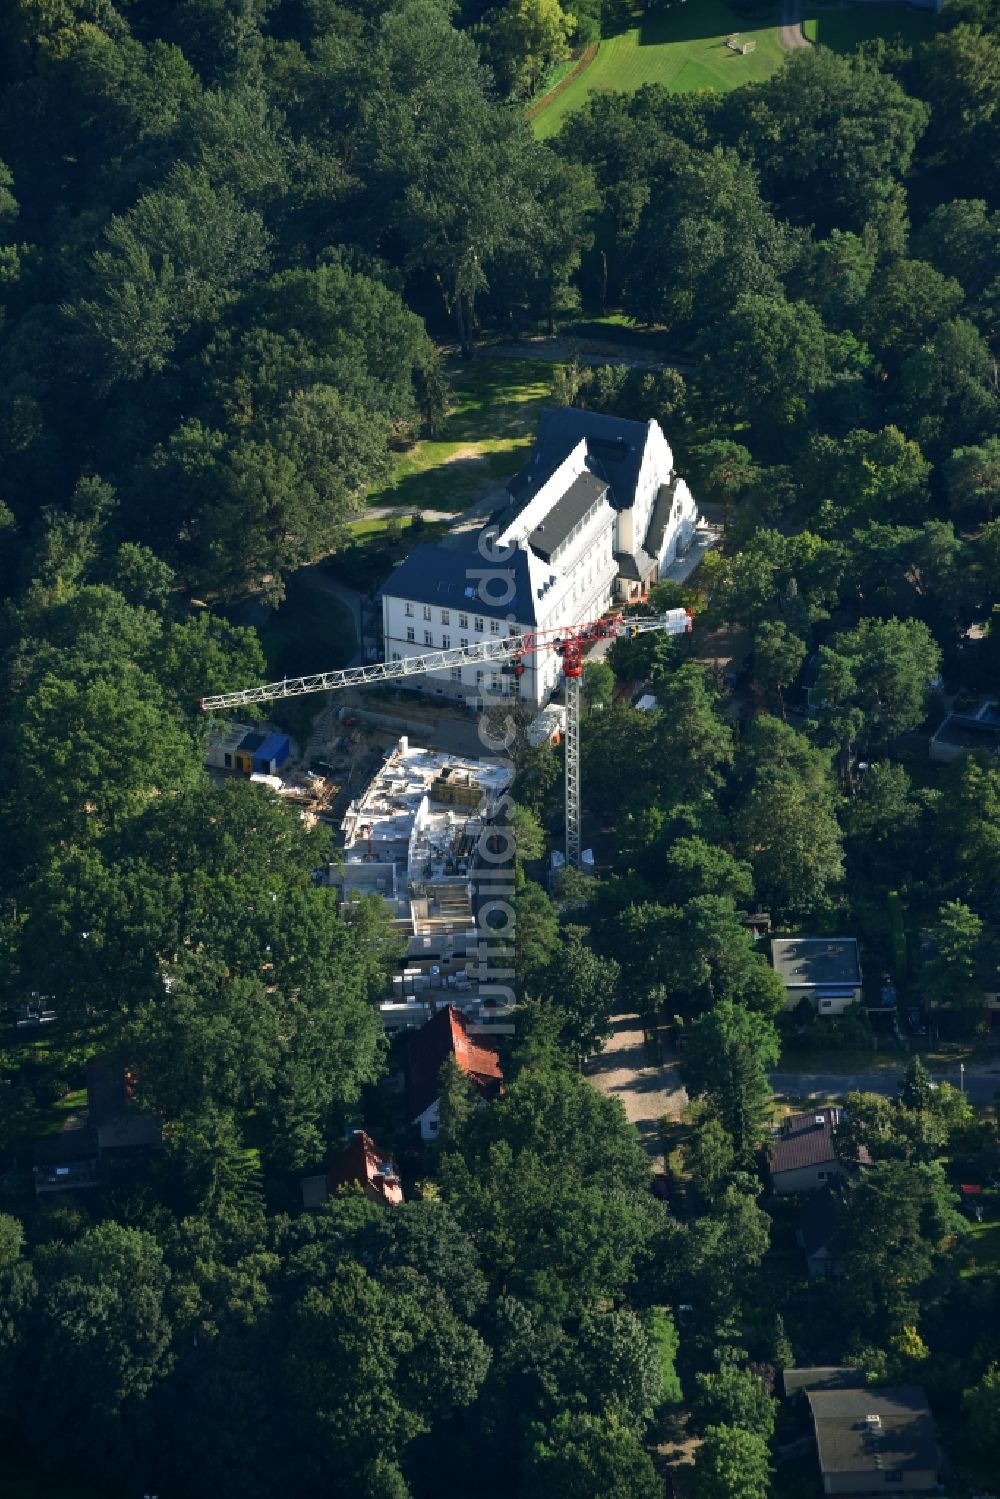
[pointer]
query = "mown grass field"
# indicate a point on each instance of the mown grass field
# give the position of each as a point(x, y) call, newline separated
point(494, 411)
point(686, 49)
point(683, 50)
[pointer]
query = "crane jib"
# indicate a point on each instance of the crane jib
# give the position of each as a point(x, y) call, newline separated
point(568, 642)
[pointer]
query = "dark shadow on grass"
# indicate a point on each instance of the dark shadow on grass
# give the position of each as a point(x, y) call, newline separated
point(700, 19)
point(311, 631)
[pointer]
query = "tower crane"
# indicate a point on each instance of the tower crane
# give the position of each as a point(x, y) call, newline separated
point(568, 643)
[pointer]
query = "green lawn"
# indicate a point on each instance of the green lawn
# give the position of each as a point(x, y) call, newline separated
point(494, 411)
point(842, 30)
point(683, 50)
point(984, 1246)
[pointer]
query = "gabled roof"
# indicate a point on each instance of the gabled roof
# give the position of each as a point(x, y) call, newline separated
point(450, 579)
point(819, 1219)
point(822, 1377)
point(363, 1163)
point(874, 1431)
point(110, 1088)
point(660, 517)
point(805, 1140)
point(615, 448)
point(444, 1036)
point(575, 503)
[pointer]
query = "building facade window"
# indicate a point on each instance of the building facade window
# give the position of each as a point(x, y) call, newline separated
point(464, 642)
point(428, 638)
point(445, 616)
point(494, 627)
point(456, 674)
point(446, 642)
point(427, 611)
point(396, 656)
point(479, 624)
point(410, 633)
point(463, 621)
point(408, 610)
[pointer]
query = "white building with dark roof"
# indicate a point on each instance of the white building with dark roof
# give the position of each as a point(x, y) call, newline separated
point(593, 519)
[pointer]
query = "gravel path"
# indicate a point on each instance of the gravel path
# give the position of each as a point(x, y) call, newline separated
point(646, 1093)
point(790, 32)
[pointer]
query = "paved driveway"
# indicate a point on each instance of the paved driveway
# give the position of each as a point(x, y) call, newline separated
point(790, 32)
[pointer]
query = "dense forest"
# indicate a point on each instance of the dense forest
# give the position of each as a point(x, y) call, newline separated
point(235, 236)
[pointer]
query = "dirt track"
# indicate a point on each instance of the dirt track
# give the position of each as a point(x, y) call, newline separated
point(646, 1093)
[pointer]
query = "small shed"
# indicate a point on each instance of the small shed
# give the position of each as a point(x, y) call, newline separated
point(249, 751)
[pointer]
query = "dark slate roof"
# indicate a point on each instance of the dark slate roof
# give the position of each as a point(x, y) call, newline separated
point(658, 520)
point(819, 1219)
point(803, 1142)
point(822, 1377)
point(904, 1439)
point(816, 962)
point(107, 1089)
point(68, 1146)
point(968, 733)
point(577, 501)
point(614, 451)
point(628, 567)
point(443, 576)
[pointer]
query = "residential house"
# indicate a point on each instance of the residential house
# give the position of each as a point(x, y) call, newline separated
point(121, 1129)
point(802, 1154)
point(593, 519)
point(361, 1164)
point(824, 970)
point(875, 1441)
point(445, 1035)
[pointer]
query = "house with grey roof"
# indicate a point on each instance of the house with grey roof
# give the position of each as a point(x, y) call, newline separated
point(868, 1440)
point(873, 1441)
point(595, 517)
point(824, 970)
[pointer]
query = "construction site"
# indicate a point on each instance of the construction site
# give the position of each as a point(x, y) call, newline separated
point(410, 838)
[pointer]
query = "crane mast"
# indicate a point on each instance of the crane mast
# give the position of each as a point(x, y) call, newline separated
point(569, 643)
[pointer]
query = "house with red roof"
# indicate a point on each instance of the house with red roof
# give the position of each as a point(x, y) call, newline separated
point(361, 1164)
point(445, 1035)
point(803, 1156)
